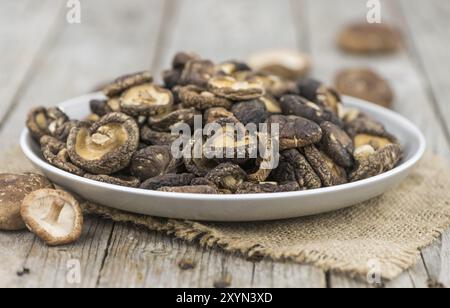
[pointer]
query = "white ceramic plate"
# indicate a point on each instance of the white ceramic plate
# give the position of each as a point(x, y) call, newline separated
point(255, 207)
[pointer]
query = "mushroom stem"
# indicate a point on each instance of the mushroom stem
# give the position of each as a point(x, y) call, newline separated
point(55, 211)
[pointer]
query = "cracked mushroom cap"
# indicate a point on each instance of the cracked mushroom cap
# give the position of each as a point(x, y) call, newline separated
point(13, 189)
point(227, 176)
point(201, 99)
point(234, 89)
point(125, 82)
point(330, 173)
point(294, 167)
point(337, 144)
point(319, 93)
point(301, 107)
point(253, 111)
point(146, 100)
point(295, 132)
point(153, 161)
point(105, 147)
point(53, 215)
point(371, 163)
point(285, 63)
point(43, 121)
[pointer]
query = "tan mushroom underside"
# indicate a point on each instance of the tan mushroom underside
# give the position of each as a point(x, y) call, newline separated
point(107, 139)
point(146, 94)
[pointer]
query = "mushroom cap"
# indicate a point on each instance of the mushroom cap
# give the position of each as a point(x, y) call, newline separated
point(53, 215)
point(125, 82)
point(193, 96)
point(13, 189)
point(105, 147)
point(285, 63)
point(234, 89)
point(146, 100)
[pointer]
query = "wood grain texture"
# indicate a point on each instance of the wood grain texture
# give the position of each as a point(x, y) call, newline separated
point(26, 27)
point(400, 69)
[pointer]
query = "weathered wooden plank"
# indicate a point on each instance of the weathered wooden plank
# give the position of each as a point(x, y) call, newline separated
point(26, 27)
point(412, 97)
point(437, 261)
point(107, 43)
point(428, 25)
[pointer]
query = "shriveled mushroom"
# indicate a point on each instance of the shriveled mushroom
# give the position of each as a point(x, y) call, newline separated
point(213, 114)
point(272, 105)
point(125, 82)
point(231, 67)
point(147, 100)
point(250, 112)
point(126, 181)
point(45, 121)
point(261, 188)
point(166, 122)
point(299, 106)
point(53, 215)
point(293, 166)
point(273, 85)
point(168, 180)
point(337, 144)
point(365, 38)
point(55, 152)
point(153, 161)
point(197, 72)
point(371, 163)
point(319, 93)
point(228, 176)
point(105, 147)
point(13, 189)
point(285, 63)
point(329, 172)
point(182, 58)
point(295, 132)
point(236, 90)
point(357, 122)
point(152, 137)
point(366, 84)
point(199, 98)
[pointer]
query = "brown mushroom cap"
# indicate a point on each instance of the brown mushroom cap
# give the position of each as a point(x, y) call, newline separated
point(125, 82)
point(365, 38)
point(152, 137)
point(337, 144)
point(147, 100)
point(13, 189)
point(235, 90)
point(227, 176)
point(197, 72)
point(199, 98)
point(365, 84)
point(153, 161)
point(53, 215)
point(329, 172)
point(285, 63)
point(200, 189)
point(166, 122)
point(105, 147)
point(55, 152)
point(126, 181)
point(46, 121)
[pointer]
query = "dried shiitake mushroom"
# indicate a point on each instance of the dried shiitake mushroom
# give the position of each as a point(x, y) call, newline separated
point(213, 114)
point(152, 137)
point(197, 72)
point(201, 189)
point(366, 84)
point(295, 132)
point(45, 121)
point(300, 106)
point(253, 111)
point(293, 166)
point(374, 141)
point(337, 144)
point(231, 67)
point(261, 188)
point(273, 85)
point(317, 92)
point(201, 99)
point(13, 189)
point(330, 173)
point(166, 122)
point(146, 100)
point(55, 152)
point(365, 38)
point(272, 105)
point(285, 63)
point(182, 58)
point(169, 180)
point(227, 176)
point(235, 90)
point(171, 78)
point(106, 146)
point(153, 161)
point(123, 83)
point(126, 181)
point(357, 122)
point(53, 215)
point(371, 163)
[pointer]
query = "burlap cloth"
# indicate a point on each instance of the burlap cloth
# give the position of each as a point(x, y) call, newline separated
point(389, 230)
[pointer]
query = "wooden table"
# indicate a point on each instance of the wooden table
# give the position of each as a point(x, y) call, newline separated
point(45, 60)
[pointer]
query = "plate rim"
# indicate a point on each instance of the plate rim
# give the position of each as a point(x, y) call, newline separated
point(406, 165)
